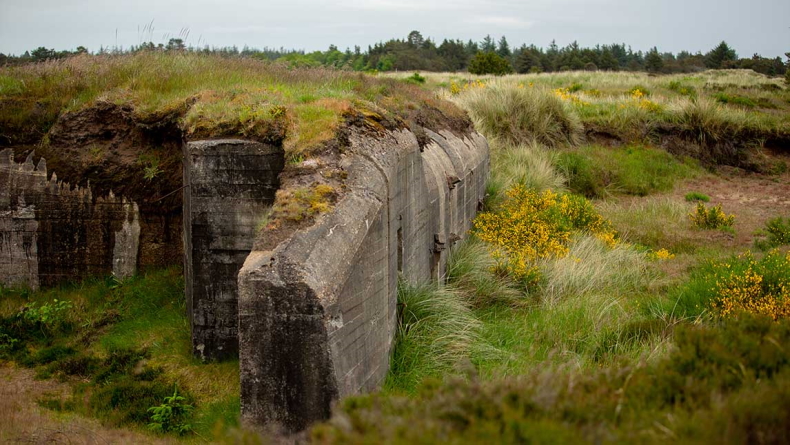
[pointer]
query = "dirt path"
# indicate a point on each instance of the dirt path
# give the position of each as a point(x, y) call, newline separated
point(23, 421)
point(753, 198)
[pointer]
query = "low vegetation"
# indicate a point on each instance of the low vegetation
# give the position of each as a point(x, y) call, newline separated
point(205, 95)
point(623, 319)
point(124, 347)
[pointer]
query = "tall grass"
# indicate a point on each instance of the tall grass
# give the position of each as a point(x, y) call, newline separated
point(436, 331)
point(516, 115)
point(529, 165)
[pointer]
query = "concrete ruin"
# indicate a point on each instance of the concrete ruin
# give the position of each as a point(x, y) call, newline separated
point(318, 313)
point(310, 310)
point(51, 233)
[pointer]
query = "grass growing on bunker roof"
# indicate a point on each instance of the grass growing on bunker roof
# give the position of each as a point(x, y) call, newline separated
point(209, 95)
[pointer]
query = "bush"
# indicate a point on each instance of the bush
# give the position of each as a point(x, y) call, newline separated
point(711, 218)
point(172, 415)
point(683, 90)
point(436, 330)
point(729, 99)
point(738, 284)
point(776, 233)
point(529, 226)
point(520, 115)
point(489, 63)
point(696, 196)
point(416, 78)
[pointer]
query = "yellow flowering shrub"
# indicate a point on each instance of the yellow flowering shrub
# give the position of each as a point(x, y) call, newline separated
point(531, 225)
point(567, 95)
point(710, 218)
point(456, 89)
point(749, 285)
point(661, 254)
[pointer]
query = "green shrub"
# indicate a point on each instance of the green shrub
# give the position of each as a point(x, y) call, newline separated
point(711, 218)
point(127, 400)
point(416, 79)
point(775, 234)
point(582, 176)
point(701, 392)
point(731, 99)
point(683, 90)
point(436, 330)
point(575, 88)
point(172, 415)
point(696, 196)
point(49, 317)
point(489, 63)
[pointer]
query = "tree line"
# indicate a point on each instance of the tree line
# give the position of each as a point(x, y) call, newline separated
point(489, 56)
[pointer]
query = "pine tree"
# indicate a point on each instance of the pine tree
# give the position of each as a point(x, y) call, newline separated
point(504, 48)
point(653, 61)
point(717, 57)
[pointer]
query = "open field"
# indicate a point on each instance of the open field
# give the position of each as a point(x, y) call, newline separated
point(586, 305)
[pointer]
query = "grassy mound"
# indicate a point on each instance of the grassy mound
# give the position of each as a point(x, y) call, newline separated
point(211, 96)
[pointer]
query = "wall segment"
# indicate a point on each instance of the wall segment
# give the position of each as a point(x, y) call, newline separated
point(317, 314)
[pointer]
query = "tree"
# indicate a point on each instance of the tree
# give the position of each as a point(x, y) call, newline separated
point(176, 45)
point(787, 73)
point(503, 49)
point(717, 57)
point(41, 53)
point(607, 61)
point(653, 61)
point(415, 39)
point(489, 63)
point(488, 45)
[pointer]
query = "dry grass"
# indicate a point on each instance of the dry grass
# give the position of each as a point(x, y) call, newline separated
point(209, 96)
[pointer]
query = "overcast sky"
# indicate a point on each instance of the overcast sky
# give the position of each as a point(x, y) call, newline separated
point(753, 26)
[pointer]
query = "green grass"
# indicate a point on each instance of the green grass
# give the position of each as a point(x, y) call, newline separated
point(596, 171)
point(690, 395)
point(123, 346)
point(205, 95)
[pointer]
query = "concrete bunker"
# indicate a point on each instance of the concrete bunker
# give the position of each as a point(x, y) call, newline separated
point(309, 305)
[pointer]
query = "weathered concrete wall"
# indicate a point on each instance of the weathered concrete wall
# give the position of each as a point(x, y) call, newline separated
point(317, 314)
point(51, 233)
point(230, 185)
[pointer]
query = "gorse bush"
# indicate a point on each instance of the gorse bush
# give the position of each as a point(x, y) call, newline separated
point(739, 284)
point(530, 225)
point(518, 115)
point(775, 234)
point(711, 218)
point(416, 78)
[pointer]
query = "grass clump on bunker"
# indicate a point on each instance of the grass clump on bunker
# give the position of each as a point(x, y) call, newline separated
point(208, 96)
